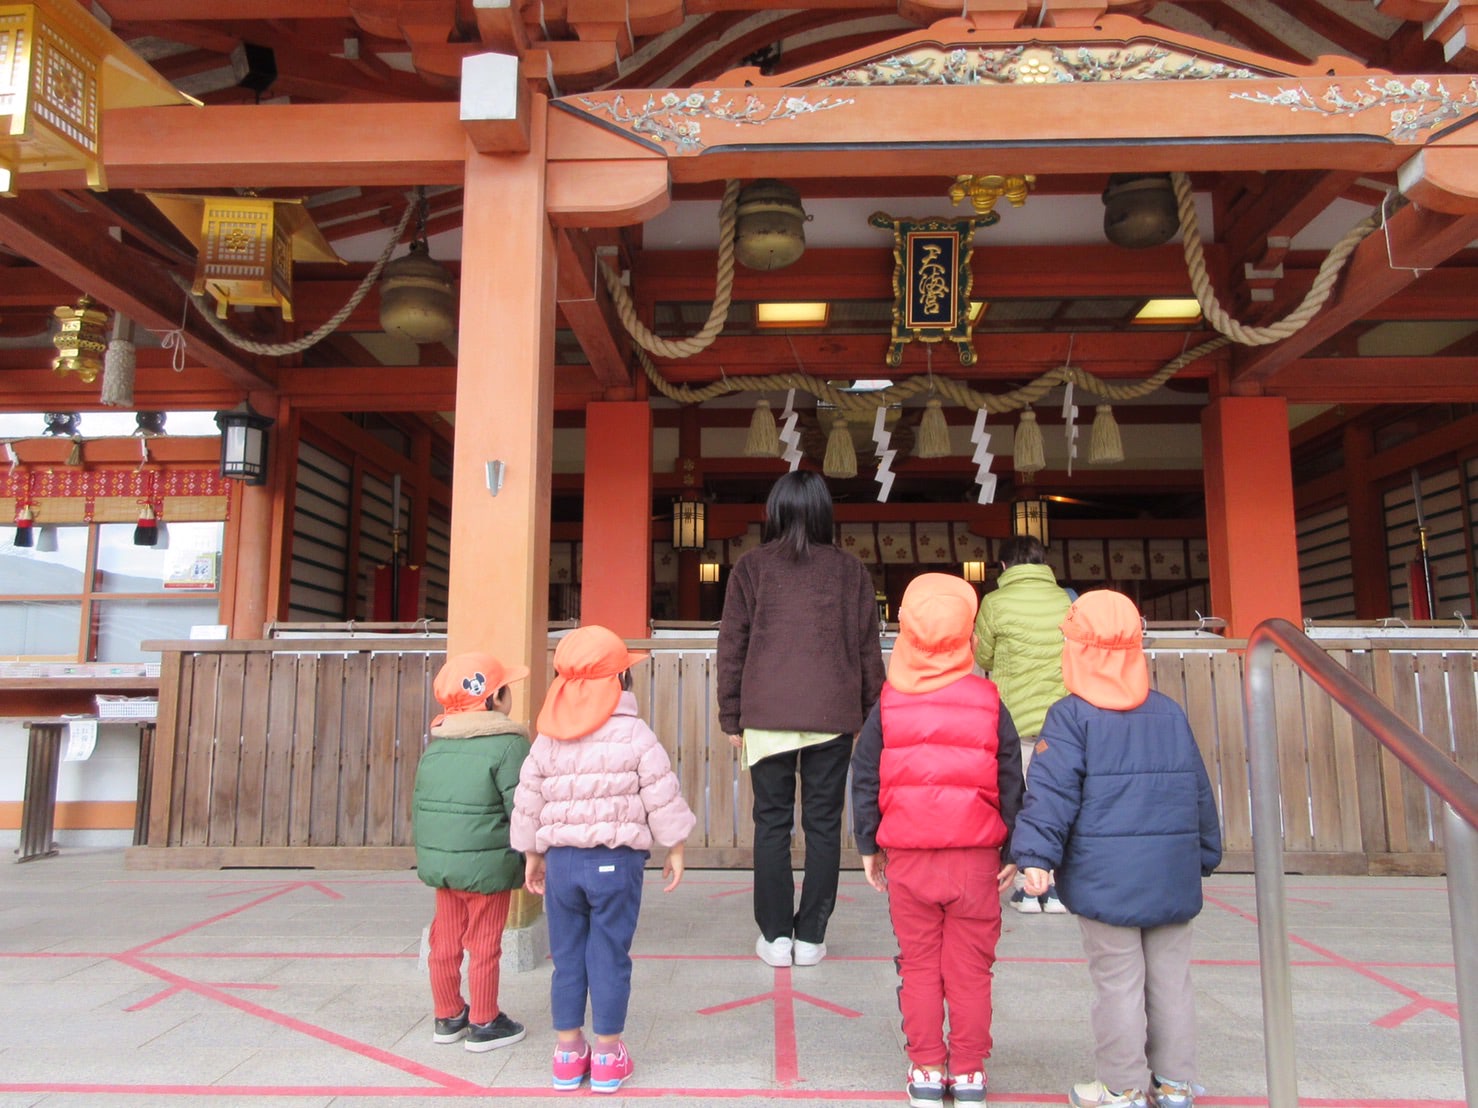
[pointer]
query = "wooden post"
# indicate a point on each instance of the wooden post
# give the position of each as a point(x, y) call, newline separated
point(615, 579)
point(499, 577)
point(1252, 546)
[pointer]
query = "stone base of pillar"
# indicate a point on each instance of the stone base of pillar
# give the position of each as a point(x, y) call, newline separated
point(525, 948)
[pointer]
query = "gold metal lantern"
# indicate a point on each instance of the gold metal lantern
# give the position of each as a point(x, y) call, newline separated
point(246, 246)
point(81, 340)
point(60, 69)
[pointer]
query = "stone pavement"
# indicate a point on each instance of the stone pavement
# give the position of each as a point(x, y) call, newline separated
point(298, 988)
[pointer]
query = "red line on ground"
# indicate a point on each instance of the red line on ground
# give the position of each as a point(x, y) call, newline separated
point(787, 1056)
point(1339, 961)
point(629, 1093)
point(364, 1050)
point(236, 911)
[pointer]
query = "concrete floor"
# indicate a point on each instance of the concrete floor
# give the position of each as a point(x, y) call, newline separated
point(296, 987)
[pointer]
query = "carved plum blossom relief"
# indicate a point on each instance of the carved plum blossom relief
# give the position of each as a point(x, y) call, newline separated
point(677, 120)
point(1415, 106)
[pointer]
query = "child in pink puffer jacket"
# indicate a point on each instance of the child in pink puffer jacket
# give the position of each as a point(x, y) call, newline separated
point(595, 792)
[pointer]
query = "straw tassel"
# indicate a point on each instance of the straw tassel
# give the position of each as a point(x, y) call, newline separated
point(1105, 445)
point(120, 365)
point(1030, 455)
point(763, 440)
point(933, 432)
point(841, 455)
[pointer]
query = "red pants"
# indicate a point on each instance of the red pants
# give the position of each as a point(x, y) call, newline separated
point(472, 922)
point(946, 913)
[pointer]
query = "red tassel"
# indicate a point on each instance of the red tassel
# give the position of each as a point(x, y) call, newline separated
point(146, 533)
point(25, 533)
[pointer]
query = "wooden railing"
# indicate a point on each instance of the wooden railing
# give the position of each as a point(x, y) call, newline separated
point(303, 752)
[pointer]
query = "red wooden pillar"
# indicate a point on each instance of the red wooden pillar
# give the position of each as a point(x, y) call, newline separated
point(499, 582)
point(259, 530)
point(1251, 540)
point(616, 555)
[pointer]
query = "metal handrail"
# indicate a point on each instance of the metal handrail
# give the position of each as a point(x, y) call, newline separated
point(1457, 789)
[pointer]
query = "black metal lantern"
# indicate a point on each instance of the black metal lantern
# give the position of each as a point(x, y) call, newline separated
point(688, 525)
point(244, 444)
point(1029, 517)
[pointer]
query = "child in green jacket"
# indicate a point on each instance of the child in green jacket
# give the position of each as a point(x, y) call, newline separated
point(463, 799)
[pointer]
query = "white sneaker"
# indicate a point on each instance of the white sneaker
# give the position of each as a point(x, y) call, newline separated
point(774, 954)
point(808, 954)
point(1095, 1094)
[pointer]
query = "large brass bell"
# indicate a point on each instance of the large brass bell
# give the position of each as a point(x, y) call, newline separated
point(1139, 210)
point(417, 301)
point(769, 229)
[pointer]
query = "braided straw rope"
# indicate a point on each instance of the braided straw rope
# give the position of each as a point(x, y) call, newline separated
point(327, 328)
point(955, 391)
point(723, 291)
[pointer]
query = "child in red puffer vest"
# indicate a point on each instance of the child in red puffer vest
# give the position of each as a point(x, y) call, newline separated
point(936, 785)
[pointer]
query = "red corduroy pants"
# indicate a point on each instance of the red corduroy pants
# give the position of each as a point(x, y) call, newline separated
point(472, 922)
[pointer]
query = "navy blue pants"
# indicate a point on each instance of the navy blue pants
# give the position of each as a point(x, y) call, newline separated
point(592, 897)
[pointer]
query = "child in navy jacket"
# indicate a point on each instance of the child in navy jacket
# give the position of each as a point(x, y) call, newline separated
point(1121, 807)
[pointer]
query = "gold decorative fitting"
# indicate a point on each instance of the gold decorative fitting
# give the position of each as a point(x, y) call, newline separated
point(246, 246)
point(81, 340)
point(60, 69)
point(984, 191)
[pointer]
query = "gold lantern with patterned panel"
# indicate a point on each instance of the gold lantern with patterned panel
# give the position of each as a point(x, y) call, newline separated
point(246, 246)
point(59, 70)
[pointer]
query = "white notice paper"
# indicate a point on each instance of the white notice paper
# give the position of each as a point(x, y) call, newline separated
point(82, 737)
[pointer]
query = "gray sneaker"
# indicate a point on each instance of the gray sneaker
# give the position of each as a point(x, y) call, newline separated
point(925, 1087)
point(1173, 1094)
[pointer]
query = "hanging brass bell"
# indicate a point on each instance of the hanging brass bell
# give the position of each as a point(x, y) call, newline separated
point(1140, 210)
point(81, 340)
point(769, 228)
point(417, 300)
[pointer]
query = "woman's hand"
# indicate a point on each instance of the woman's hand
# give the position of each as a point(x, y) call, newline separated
point(1038, 881)
point(736, 741)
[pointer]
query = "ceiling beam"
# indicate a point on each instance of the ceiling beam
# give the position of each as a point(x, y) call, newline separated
point(586, 305)
point(1416, 239)
point(1430, 380)
point(45, 229)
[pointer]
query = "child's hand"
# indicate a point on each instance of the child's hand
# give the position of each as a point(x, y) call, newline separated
point(533, 873)
point(672, 868)
point(1007, 877)
point(1038, 881)
point(873, 866)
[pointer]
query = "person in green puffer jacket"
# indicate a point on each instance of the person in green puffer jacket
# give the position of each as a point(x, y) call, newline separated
point(461, 808)
point(1018, 642)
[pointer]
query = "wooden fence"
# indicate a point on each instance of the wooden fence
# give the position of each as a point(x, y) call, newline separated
point(303, 753)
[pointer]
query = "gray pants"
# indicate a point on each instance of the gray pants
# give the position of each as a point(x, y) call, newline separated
point(1143, 1013)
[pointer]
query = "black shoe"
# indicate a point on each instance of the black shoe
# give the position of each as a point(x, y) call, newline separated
point(450, 1030)
point(500, 1031)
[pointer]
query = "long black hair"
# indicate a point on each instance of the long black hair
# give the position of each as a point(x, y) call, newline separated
point(798, 513)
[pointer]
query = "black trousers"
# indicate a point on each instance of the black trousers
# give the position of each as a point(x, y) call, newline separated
point(823, 773)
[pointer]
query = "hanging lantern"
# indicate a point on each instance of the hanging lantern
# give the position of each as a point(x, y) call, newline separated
point(688, 520)
point(81, 340)
point(244, 443)
point(417, 297)
point(246, 246)
point(60, 69)
point(1029, 517)
point(770, 225)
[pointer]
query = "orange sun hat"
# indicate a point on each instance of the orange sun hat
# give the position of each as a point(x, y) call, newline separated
point(589, 662)
point(935, 620)
point(1103, 651)
point(464, 683)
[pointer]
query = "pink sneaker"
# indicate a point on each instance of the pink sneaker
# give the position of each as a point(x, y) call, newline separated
point(608, 1071)
point(571, 1067)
